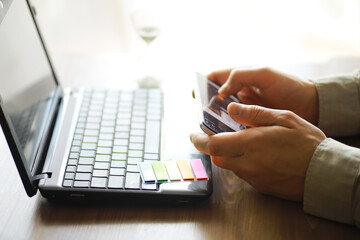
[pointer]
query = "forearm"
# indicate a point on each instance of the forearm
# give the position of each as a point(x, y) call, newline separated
point(332, 188)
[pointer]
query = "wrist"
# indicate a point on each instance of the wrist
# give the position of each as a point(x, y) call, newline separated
point(311, 111)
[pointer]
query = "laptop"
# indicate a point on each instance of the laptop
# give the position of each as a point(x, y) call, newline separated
point(87, 144)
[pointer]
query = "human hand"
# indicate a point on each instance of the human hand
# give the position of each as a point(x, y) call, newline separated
point(269, 88)
point(272, 155)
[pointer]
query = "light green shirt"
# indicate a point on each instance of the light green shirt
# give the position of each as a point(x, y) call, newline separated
point(332, 188)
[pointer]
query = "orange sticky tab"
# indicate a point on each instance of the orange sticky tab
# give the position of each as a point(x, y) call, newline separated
point(185, 169)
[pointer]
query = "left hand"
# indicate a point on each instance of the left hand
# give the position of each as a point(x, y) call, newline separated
point(272, 155)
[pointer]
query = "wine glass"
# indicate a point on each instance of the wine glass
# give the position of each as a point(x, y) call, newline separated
point(146, 20)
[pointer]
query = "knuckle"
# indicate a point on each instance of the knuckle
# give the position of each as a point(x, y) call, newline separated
point(213, 147)
point(287, 116)
point(266, 71)
point(255, 112)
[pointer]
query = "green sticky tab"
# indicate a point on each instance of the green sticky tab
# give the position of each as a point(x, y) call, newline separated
point(159, 171)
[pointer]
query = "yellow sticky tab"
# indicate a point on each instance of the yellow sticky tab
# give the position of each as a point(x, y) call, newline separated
point(185, 169)
point(173, 170)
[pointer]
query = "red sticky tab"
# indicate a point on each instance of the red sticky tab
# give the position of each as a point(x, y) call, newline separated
point(198, 169)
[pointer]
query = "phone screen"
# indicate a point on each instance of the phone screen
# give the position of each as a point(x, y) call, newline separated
point(214, 115)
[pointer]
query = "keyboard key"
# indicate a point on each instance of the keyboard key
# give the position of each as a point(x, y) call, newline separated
point(136, 146)
point(72, 162)
point(135, 153)
point(98, 182)
point(88, 146)
point(76, 143)
point(121, 142)
point(94, 126)
point(149, 186)
point(122, 135)
point(86, 161)
point(106, 136)
point(116, 182)
point(90, 139)
point(118, 164)
point(132, 168)
point(123, 128)
point(152, 137)
point(81, 184)
point(103, 150)
point(154, 117)
point(117, 171)
point(100, 173)
point(74, 155)
point(67, 183)
point(151, 156)
point(103, 158)
point(70, 168)
point(84, 168)
point(120, 149)
point(137, 132)
point(136, 139)
point(136, 125)
point(69, 175)
point(105, 143)
point(75, 149)
point(134, 160)
point(102, 165)
point(119, 156)
point(108, 123)
point(132, 180)
point(91, 132)
point(83, 176)
point(107, 129)
point(87, 153)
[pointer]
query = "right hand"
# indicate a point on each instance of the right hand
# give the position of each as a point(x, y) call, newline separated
point(269, 88)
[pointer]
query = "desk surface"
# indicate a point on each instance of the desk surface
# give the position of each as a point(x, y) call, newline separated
point(234, 211)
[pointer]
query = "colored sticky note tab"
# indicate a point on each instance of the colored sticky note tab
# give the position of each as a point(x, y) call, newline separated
point(198, 169)
point(172, 170)
point(147, 172)
point(185, 169)
point(159, 171)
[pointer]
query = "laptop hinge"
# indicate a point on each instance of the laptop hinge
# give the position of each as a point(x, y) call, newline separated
point(42, 176)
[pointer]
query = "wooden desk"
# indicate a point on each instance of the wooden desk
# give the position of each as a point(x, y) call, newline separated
point(234, 211)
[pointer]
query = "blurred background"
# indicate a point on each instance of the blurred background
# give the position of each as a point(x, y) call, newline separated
point(84, 36)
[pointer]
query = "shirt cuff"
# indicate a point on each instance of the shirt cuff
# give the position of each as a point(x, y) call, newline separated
point(339, 104)
point(331, 183)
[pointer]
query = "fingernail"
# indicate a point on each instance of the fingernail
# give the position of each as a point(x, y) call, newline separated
point(223, 88)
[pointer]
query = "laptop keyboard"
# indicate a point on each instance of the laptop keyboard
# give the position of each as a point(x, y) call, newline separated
point(115, 131)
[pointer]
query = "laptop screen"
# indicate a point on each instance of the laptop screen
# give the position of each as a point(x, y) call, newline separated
point(27, 83)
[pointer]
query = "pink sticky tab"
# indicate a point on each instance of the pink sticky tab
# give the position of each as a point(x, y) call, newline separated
point(198, 169)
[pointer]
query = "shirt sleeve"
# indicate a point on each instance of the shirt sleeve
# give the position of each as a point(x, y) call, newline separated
point(339, 104)
point(332, 188)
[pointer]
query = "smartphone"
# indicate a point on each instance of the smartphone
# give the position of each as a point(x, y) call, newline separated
point(213, 114)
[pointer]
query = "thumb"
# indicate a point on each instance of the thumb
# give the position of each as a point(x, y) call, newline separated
point(255, 116)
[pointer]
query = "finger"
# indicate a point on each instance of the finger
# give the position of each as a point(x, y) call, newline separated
point(222, 144)
point(255, 116)
point(219, 77)
point(250, 77)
